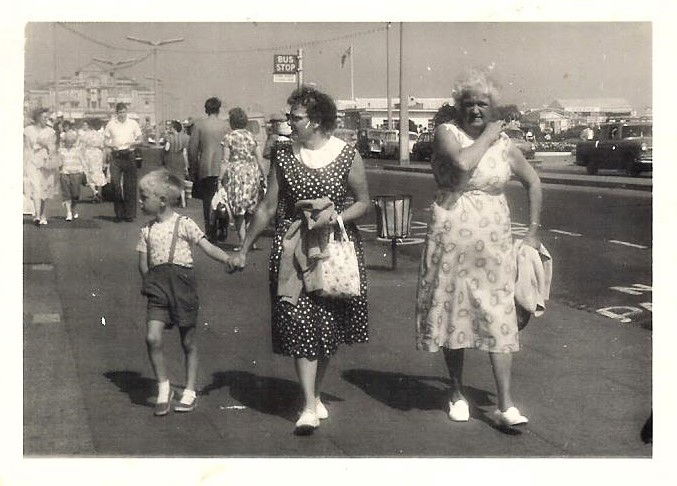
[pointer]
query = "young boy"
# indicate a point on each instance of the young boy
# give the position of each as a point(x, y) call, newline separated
point(72, 174)
point(166, 264)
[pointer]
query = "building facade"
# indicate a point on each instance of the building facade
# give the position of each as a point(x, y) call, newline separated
point(421, 110)
point(93, 92)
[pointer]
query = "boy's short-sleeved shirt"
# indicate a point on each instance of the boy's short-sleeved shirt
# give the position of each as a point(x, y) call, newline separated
point(72, 162)
point(156, 239)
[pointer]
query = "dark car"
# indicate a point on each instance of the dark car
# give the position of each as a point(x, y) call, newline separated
point(423, 148)
point(625, 146)
point(517, 136)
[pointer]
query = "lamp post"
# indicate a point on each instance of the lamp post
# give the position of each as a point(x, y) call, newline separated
point(404, 106)
point(155, 45)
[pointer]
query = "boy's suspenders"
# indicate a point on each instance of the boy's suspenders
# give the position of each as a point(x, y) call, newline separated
point(175, 236)
point(172, 246)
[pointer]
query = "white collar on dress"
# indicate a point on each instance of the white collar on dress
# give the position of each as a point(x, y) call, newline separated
point(323, 156)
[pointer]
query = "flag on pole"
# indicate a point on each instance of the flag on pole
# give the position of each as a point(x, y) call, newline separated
point(345, 55)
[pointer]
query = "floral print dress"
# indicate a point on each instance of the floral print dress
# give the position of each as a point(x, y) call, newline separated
point(243, 174)
point(466, 287)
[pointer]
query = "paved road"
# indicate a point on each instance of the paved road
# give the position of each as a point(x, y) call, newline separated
point(600, 239)
point(88, 386)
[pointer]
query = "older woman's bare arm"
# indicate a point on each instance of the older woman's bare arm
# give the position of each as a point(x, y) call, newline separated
point(357, 182)
point(447, 147)
point(532, 183)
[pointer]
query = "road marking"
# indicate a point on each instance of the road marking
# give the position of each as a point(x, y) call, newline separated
point(562, 232)
point(46, 318)
point(635, 289)
point(42, 267)
point(625, 243)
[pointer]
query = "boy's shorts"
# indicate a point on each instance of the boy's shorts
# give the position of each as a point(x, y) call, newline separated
point(172, 295)
point(70, 185)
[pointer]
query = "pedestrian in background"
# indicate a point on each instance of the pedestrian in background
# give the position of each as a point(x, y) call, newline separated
point(175, 154)
point(205, 156)
point(91, 144)
point(41, 164)
point(166, 265)
point(72, 174)
point(315, 165)
point(465, 294)
point(241, 171)
point(122, 135)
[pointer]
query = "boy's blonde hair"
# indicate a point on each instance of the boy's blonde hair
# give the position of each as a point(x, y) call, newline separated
point(163, 183)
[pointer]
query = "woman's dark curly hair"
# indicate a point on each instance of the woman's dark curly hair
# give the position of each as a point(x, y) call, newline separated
point(237, 118)
point(320, 106)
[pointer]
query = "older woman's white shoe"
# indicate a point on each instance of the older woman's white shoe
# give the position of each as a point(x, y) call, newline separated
point(512, 416)
point(459, 411)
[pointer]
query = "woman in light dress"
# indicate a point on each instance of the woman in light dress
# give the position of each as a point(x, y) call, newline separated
point(465, 295)
point(91, 144)
point(41, 169)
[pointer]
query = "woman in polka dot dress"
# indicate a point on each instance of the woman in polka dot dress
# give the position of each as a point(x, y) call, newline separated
point(465, 296)
point(315, 165)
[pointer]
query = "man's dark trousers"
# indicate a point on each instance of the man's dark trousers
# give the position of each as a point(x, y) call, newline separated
point(124, 167)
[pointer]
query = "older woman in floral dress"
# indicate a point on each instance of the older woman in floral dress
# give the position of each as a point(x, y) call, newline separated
point(465, 296)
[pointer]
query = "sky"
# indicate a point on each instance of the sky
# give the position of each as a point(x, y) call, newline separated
point(534, 62)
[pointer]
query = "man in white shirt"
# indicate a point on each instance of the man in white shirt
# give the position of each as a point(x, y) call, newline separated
point(121, 136)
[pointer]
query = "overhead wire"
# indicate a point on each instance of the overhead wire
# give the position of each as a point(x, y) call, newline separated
point(226, 51)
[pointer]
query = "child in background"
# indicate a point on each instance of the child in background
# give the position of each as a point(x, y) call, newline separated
point(72, 173)
point(166, 265)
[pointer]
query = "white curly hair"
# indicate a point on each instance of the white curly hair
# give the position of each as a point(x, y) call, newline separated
point(473, 82)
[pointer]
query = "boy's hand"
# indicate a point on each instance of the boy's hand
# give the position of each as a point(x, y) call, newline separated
point(237, 262)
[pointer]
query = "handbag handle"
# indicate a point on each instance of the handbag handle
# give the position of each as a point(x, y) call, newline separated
point(344, 233)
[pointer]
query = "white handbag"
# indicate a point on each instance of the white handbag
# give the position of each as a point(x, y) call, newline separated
point(339, 271)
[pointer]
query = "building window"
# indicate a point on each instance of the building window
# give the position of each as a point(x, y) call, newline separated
point(75, 104)
point(147, 103)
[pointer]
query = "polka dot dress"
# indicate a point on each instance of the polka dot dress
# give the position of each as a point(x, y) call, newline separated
point(315, 326)
point(466, 287)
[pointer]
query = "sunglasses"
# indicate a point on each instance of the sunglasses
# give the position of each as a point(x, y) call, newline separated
point(294, 118)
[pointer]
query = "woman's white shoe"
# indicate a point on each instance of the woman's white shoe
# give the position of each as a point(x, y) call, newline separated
point(307, 422)
point(512, 416)
point(459, 411)
point(320, 409)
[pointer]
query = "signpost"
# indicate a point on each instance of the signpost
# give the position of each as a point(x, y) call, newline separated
point(285, 68)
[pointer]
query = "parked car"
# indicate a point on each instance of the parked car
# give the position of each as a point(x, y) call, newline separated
point(348, 135)
point(625, 146)
point(517, 136)
point(384, 144)
point(423, 148)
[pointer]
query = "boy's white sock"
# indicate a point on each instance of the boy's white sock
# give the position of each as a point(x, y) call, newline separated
point(188, 396)
point(163, 391)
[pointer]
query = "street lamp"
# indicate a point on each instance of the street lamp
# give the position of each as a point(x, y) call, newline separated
point(155, 45)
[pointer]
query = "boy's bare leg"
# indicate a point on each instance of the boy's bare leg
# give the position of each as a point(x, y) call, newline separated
point(154, 346)
point(189, 344)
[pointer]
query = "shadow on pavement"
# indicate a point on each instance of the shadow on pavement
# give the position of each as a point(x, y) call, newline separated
point(265, 394)
point(407, 392)
point(139, 388)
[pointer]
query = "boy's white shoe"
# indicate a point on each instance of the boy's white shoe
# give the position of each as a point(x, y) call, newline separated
point(459, 411)
point(69, 217)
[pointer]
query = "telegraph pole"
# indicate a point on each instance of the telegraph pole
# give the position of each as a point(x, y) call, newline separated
point(404, 106)
point(389, 101)
point(56, 71)
point(352, 74)
point(299, 74)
